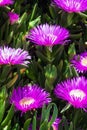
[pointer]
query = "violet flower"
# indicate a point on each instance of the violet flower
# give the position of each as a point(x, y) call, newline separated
point(48, 35)
point(72, 5)
point(29, 97)
point(5, 2)
point(13, 17)
point(80, 62)
point(13, 56)
point(56, 123)
point(74, 91)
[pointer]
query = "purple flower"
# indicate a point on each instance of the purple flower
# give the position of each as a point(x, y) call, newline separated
point(72, 5)
point(13, 56)
point(74, 91)
point(80, 62)
point(5, 2)
point(48, 35)
point(56, 123)
point(29, 97)
point(13, 17)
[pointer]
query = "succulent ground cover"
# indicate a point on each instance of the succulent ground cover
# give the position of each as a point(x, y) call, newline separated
point(43, 64)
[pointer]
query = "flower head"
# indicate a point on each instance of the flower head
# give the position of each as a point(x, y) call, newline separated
point(80, 62)
point(29, 97)
point(13, 17)
point(74, 91)
point(13, 56)
point(48, 35)
point(5, 2)
point(72, 5)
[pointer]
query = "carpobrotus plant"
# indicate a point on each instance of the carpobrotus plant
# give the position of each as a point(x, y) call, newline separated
point(74, 91)
point(43, 42)
point(48, 35)
point(29, 98)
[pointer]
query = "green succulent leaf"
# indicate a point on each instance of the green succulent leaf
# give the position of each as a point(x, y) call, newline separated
point(8, 117)
point(26, 124)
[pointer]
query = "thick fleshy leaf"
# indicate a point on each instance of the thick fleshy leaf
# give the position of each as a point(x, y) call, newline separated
point(26, 124)
point(54, 115)
point(44, 125)
point(11, 82)
point(34, 122)
point(8, 117)
point(33, 12)
point(2, 109)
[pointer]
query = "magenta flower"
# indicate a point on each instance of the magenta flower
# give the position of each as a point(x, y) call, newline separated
point(56, 123)
point(13, 56)
point(5, 2)
point(80, 62)
point(13, 17)
point(48, 35)
point(29, 97)
point(72, 5)
point(74, 91)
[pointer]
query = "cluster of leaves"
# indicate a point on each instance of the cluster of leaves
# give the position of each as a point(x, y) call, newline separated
point(46, 68)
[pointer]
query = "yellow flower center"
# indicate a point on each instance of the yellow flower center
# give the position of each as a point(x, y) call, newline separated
point(26, 101)
point(84, 61)
point(77, 93)
point(1, 1)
